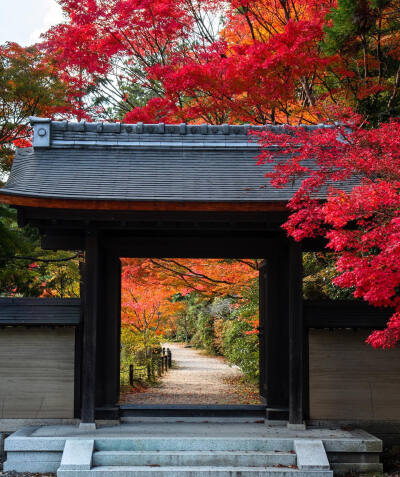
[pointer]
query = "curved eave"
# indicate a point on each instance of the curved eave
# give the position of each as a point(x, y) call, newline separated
point(188, 206)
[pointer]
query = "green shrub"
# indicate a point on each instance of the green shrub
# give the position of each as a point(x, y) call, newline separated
point(241, 348)
point(134, 351)
point(206, 333)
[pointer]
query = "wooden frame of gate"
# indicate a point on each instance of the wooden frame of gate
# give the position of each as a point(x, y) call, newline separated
point(163, 190)
point(106, 236)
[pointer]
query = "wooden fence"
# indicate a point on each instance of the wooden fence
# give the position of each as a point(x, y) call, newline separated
point(148, 367)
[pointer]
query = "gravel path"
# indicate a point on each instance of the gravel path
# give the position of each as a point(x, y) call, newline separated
point(194, 379)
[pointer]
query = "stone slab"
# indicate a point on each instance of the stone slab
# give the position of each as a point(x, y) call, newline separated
point(311, 454)
point(343, 468)
point(15, 457)
point(87, 426)
point(31, 467)
point(296, 427)
point(114, 471)
point(77, 455)
point(13, 425)
point(237, 458)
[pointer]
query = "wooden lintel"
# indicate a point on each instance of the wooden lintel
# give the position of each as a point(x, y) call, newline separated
point(63, 242)
point(44, 202)
point(178, 246)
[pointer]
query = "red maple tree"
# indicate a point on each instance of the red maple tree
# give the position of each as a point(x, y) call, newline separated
point(358, 170)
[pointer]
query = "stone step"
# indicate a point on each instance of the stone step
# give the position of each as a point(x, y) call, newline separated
point(192, 471)
point(193, 458)
point(194, 444)
point(69, 450)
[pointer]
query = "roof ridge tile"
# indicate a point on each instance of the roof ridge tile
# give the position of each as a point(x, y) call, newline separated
point(161, 128)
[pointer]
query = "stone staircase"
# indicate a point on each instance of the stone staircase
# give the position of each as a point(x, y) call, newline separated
point(194, 457)
point(191, 449)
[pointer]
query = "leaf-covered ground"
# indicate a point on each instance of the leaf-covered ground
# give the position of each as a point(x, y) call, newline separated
point(247, 392)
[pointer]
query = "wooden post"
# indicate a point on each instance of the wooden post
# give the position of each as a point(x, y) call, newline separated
point(78, 344)
point(90, 328)
point(296, 336)
point(169, 354)
point(108, 335)
point(159, 367)
point(273, 330)
point(131, 374)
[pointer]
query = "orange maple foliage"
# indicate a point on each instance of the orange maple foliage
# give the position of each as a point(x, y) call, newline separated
point(150, 285)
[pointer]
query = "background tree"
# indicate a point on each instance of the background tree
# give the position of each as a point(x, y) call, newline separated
point(28, 87)
point(213, 304)
point(269, 61)
point(363, 39)
point(26, 269)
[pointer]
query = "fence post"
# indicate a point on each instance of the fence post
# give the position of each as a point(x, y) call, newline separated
point(159, 367)
point(131, 374)
point(169, 354)
point(161, 363)
point(148, 371)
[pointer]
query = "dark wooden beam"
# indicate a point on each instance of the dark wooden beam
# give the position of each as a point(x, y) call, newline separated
point(63, 242)
point(48, 202)
point(90, 323)
point(154, 241)
point(192, 246)
point(210, 246)
point(159, 217)
point(296, 335)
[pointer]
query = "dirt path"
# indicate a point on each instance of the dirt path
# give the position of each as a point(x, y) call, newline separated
point(194, 379)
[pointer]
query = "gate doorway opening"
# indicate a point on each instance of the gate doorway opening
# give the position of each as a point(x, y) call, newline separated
point(276, 281)
point(190, 332)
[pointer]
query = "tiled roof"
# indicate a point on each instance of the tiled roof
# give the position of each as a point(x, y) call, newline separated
point(143, 162)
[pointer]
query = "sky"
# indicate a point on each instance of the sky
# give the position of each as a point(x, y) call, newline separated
point(23, 21)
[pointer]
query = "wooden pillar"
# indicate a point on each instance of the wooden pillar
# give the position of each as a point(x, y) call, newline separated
point(276, 333)
point(262, 292)
point(296, 336)
point(108, 339)
point(89, 339)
